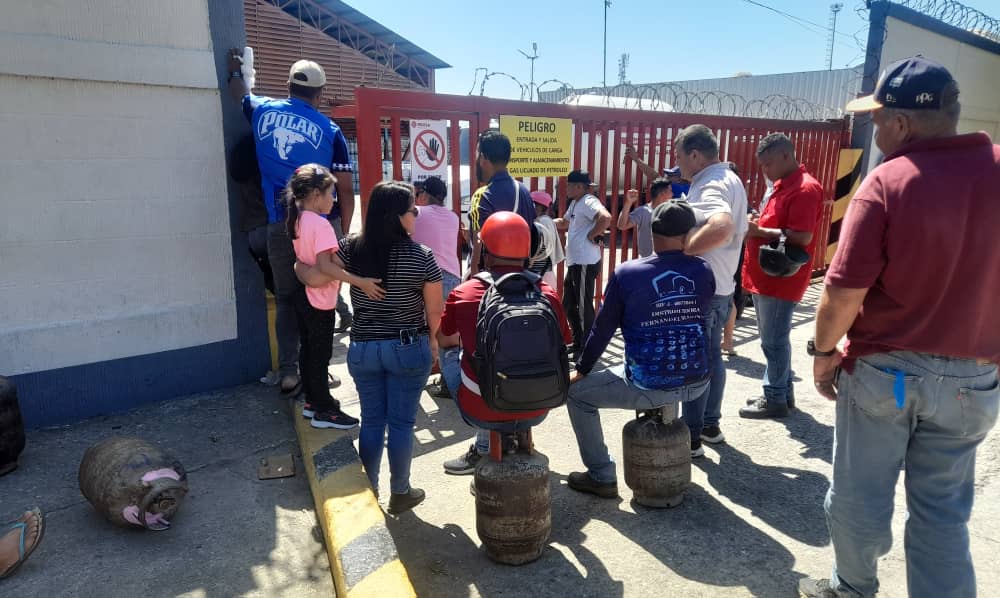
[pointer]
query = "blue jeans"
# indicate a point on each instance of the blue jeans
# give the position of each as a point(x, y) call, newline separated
point(448, 283)
point(774, 322)
point(389, 377)
point(706, 410)
point(932, 431)
point(451, 369)
point(609, 389)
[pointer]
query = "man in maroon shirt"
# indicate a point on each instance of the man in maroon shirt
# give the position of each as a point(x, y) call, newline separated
point(913, 285)
point(793, 211)
point(506, 241)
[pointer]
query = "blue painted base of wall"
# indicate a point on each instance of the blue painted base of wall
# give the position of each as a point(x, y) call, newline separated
point(74, 393)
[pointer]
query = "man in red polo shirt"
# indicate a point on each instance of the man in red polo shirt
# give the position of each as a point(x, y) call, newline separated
point(913, 286)
point(506, 242)
point(793, 211)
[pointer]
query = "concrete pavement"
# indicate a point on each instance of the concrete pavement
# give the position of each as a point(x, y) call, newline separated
point(752, 523)
point(234, 535)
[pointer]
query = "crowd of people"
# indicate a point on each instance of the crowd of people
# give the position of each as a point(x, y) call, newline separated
point(913, 339)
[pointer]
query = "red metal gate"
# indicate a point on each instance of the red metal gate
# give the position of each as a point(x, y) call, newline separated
point(599, 139)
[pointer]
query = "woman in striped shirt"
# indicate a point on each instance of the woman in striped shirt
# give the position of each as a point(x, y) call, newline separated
point(393, 340)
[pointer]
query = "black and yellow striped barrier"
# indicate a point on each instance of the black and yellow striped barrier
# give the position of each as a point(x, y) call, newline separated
point(848, 179)
point(362, 553)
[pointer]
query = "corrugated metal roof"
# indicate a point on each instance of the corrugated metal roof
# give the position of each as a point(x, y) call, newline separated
point(826, 91)
point(376, 30)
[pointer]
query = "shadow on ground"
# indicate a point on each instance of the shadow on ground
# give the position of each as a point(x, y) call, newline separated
point(233, 535)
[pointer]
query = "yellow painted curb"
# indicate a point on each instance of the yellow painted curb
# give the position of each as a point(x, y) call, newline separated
point(362, 553)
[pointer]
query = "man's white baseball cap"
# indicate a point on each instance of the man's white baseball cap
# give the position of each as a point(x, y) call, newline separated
point(307, 74)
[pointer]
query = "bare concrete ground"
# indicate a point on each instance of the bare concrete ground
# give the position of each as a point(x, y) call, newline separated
point(234, 535)
point(752, 523)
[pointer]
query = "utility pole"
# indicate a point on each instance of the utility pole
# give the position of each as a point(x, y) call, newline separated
point(834, 9)
point(532, 58)
point(604, 79)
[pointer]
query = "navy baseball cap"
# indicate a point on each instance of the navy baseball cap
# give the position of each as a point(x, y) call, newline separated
point(580, 176)
point(673, 218)
point(914, 83)
point(675, 171)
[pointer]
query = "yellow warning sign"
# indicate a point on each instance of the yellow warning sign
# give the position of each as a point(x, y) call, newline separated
point(539, 146)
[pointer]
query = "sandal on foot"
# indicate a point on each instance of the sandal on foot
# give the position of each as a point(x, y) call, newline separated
point(24, 548)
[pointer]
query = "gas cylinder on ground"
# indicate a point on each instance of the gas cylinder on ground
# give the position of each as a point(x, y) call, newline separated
point(11, 427)
point(513, 504)
point(656, 448)
point(130, 482)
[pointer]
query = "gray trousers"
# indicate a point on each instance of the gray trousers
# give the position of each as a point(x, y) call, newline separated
point(925, 415)
point(281, 255)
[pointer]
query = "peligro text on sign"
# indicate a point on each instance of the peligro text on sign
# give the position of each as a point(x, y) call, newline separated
point(539, 146)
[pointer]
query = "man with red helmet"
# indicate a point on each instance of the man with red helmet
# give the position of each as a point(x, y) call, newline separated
point(506, 241)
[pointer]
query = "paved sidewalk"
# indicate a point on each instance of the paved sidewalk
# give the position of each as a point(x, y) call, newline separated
point(751, 525)
point(234, 535)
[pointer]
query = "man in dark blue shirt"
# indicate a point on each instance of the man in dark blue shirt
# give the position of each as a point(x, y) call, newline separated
point(502, 193)
point(661, 303)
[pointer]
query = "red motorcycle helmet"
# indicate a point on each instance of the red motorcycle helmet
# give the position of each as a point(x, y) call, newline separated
point(506, 235)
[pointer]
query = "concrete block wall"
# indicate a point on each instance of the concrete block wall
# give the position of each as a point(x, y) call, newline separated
point(122, 279)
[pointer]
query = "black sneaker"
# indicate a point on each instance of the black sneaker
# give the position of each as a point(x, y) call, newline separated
point(819, 588)
point(582, 482)
point(465, 464)
point(712, 435)
point(696, 450)
point(761, 409)
point(307, 410)
point(790, 398)
point(401, 503)
point(333, 419)
point(440, 389)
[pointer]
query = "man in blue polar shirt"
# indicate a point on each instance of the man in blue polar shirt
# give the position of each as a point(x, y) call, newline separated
point(661, 303)
point(288, 133)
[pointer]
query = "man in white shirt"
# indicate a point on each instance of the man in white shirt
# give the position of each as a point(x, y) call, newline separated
point(586, 219)
point(720, 203)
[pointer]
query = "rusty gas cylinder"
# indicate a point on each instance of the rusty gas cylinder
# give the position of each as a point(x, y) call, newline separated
point(11, 427)
point(513, 505)
point(130, 482)
point(657, 453)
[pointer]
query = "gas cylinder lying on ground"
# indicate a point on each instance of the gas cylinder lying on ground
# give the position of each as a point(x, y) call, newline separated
point(513, 504)
point(11, 427)
point(656, 448)
point(132, 483)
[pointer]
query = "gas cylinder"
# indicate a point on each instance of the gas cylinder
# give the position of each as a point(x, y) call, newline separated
point(11, 427)
point(513, 505)
point(656, 448)
point(130, 482)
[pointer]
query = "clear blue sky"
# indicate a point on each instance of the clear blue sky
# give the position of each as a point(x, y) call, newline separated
point(667, 40)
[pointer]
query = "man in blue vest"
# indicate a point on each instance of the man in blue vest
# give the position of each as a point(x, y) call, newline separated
point(288, 133)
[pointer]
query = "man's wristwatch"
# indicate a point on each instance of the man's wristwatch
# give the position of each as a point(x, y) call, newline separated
point(811, 350)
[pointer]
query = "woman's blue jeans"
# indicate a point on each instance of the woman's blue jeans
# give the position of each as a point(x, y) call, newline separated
point(389, 377)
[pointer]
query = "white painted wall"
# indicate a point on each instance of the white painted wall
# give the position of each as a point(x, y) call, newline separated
point(975, 70)
point(114, 226)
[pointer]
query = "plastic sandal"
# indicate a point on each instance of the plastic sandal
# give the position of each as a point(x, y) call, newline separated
point(22, 553)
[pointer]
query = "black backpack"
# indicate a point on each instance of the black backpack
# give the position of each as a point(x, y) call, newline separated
point(520, 354)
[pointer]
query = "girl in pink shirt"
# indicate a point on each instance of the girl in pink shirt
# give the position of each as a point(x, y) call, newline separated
point(309, 197)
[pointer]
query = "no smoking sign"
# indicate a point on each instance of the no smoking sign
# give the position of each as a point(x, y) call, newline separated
point(429, 152)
